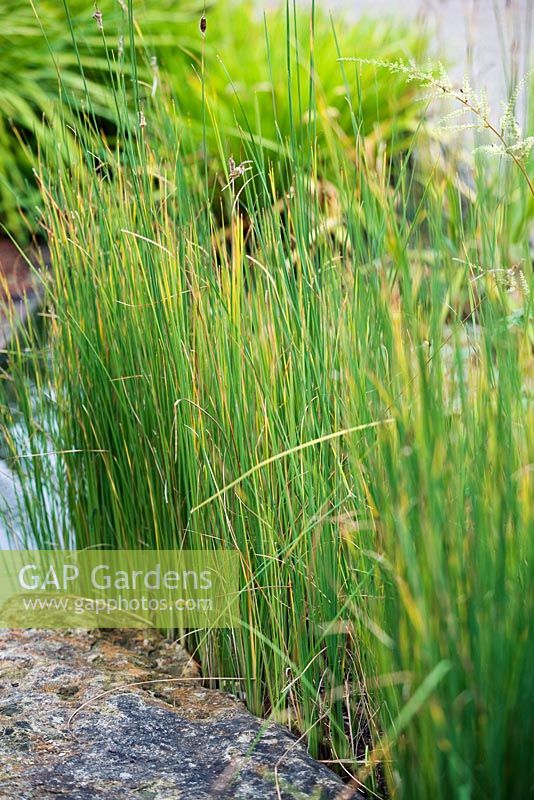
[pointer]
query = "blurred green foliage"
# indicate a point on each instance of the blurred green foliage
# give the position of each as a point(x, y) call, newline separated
point(41, 80)
point(250, 90)
point(246, 90)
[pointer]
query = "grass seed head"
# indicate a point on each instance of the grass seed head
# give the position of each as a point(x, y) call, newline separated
point(98, 18)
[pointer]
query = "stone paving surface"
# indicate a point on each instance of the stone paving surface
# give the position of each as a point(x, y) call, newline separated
point(160, 741)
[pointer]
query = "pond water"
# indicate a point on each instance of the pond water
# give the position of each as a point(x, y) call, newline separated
point(18, 527)
point(8, 506)
point(12, 514)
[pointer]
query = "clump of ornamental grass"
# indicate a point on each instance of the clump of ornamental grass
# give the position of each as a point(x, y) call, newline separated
point(315, 382)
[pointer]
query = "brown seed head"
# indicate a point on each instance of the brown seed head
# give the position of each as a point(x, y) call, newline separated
point(97, 16)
